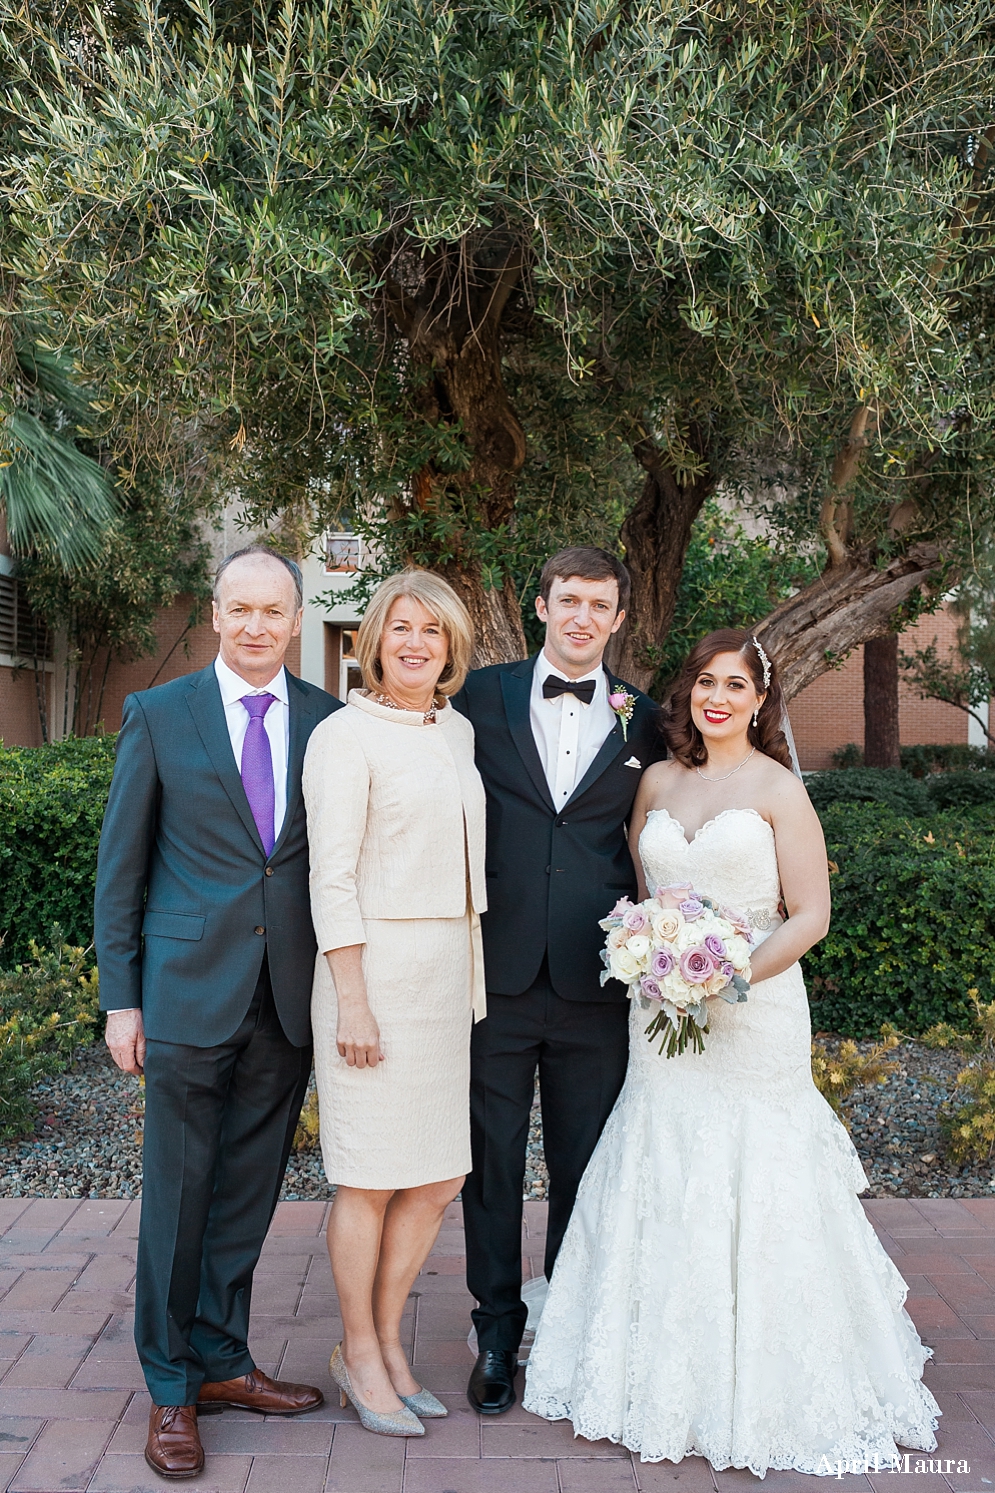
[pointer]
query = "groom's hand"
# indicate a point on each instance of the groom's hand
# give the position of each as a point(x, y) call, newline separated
point(125, 1036)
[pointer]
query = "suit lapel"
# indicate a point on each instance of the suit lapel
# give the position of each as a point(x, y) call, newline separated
point(301, 725)
point(608, 751)
point(208, 712)
point(516, 687)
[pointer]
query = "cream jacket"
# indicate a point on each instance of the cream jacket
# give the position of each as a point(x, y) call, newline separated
point(396, 819)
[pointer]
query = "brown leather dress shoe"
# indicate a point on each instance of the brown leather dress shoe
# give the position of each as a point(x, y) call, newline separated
point(257, 1391)
point(173, 1448)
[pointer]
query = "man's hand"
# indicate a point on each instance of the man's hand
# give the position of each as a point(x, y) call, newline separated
point(125, 1036)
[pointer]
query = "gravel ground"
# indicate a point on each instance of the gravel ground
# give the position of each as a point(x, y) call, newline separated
point(87, 1140)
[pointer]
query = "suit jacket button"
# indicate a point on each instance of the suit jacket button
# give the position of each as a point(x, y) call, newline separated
point(547, 870)
point(260, 930)
point(269, 870)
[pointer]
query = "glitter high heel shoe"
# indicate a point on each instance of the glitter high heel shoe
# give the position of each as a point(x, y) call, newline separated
point(425, 1404)
point(394, 1423)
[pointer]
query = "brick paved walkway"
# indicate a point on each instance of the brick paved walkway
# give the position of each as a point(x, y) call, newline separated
point(73, 1409)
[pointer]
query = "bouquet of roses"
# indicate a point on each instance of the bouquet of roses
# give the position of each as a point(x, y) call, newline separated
point(675, 951)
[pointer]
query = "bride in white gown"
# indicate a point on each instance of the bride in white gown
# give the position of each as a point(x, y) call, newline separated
point(719, 1290)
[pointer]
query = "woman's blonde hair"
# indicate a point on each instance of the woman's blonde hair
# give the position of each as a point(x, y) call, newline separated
point(437, 597)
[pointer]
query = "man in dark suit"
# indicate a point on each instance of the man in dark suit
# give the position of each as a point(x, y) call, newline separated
point(206, 954)
point(561, 765)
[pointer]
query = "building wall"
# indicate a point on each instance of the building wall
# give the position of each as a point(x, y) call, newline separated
point(830, 713)
point(20, 724)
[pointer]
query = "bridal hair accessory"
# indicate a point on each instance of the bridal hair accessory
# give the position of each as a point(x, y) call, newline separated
point(675, 951)
point(623, 705)
point(766, 663)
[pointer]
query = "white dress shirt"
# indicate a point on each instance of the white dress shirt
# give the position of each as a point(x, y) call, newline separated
point(568, 733)
point(276, 720)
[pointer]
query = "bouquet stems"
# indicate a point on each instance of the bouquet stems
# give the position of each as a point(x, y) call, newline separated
point(674, 1039)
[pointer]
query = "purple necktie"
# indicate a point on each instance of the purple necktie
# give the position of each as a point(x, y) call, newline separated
point(257, 768)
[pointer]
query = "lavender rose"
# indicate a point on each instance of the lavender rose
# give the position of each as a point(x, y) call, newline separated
point(692, 909)
point(662, 963)
point(650, 988)
point(635, 920)
point(727, 969)
point(714, 945)
point(697, 965)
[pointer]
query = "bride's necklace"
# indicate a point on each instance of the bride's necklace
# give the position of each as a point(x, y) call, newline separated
point(428, 717)
point(725, 775)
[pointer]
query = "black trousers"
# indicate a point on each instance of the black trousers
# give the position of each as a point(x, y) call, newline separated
point(219, 1124)
point(580, 1049)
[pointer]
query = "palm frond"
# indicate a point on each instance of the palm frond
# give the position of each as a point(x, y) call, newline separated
point(57, 499)
point(53, 375)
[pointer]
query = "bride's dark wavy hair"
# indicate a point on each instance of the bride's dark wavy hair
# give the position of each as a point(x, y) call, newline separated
point(679, 730)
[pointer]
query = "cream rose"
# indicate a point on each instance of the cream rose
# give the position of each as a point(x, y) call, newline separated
point(667, 924)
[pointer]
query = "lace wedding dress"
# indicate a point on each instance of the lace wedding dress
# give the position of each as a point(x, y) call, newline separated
point(719, 1290)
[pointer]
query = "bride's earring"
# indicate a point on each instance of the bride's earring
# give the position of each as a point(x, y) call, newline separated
point(755, 715)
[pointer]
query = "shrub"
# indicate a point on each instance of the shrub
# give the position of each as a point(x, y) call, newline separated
point(889, 786)
point(951, 756)
point(913, 907)
point(52, 802)
point(48, 1009)
point(969, 1127)
point(850, 755)
point(839, 1068)
point(961, 790)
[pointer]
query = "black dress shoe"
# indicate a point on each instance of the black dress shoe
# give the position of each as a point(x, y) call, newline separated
point(491, 1390)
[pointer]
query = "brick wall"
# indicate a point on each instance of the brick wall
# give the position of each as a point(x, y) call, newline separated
point(19, 722)
point(830, 712)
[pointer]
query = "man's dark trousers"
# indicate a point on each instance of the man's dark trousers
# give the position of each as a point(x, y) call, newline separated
point(580, 1049)
point(214, 1117)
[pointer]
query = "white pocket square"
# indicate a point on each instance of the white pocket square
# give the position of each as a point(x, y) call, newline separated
point(633, 762)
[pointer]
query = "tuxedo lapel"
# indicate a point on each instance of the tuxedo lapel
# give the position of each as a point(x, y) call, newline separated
point(204, 701)
point(301, 726)
point(516, 687)
point(608, 751)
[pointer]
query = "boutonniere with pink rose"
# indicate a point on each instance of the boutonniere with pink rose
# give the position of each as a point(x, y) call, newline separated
point(623, 705)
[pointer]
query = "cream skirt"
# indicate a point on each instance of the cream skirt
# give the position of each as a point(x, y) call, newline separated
point(406, 1122)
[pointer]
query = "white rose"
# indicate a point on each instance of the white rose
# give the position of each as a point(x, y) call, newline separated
point(617, 937)
point(639, 946)
point(623, 966)
point(738, 950)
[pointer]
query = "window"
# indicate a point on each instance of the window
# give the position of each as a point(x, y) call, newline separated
point(342, 552)
point(350, 677)
point(23, 635)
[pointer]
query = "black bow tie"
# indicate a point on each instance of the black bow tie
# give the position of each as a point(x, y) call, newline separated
point(582, 688)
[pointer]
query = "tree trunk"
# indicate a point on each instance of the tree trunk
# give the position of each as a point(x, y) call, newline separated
point(847, 605)
point(656, 535)
point(881, 744)
point(451, 318)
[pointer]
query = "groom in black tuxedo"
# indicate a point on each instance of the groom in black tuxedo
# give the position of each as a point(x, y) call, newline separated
point(561, 769)
point(206, 953)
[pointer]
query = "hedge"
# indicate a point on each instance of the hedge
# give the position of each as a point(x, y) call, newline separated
point(913, 927)
point(51, 805)
point(913, 896)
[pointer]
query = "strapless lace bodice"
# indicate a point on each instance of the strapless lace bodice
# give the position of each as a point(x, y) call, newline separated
point(731, 859)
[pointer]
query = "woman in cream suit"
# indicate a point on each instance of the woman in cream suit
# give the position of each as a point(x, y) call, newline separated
point(396, 829)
